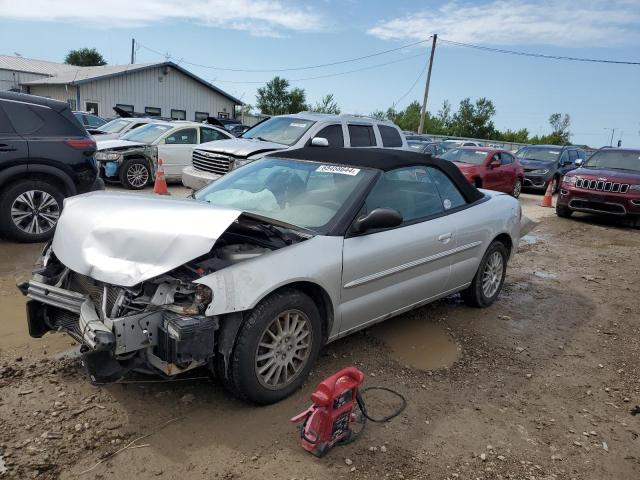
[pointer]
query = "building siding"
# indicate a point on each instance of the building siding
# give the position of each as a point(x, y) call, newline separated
point(12, 79)
point(151, 88)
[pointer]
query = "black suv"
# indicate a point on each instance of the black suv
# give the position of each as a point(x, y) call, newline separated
point(548, 163)
point(45, 156)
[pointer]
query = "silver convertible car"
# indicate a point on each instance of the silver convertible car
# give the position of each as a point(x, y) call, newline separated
point(259, 270)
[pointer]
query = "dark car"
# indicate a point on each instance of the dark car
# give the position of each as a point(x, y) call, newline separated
point(89, 120)
point(490, 168)
point(608, 184)
point(544, 164)
point(433, 148)
point(45, 156)
point(415, 136)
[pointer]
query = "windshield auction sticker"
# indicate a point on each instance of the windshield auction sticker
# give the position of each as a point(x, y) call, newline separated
point(338, 169)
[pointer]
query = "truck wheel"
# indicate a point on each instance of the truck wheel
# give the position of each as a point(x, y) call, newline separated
point(487, 283)
point(29, 210)
point(563, 211)
point(135, 174)
point(275, 348)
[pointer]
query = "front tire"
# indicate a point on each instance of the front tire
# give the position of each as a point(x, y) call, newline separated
point(489, 278)
point(29, 210)
point(135, 174)
point(275, 348)
point(563, 211)
point(517, 188)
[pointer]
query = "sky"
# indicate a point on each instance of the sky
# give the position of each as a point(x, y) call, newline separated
point(219, 40)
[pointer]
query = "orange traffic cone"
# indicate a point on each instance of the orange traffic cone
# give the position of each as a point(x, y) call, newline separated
point(160, 185)
point(547, 200)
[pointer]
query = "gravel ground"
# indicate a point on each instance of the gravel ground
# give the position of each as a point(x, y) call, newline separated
point(539, 386)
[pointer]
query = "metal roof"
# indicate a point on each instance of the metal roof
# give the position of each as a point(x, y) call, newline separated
point(30, 65)
point(80, 75)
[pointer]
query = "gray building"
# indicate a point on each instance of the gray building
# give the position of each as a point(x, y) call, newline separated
point(156, 89)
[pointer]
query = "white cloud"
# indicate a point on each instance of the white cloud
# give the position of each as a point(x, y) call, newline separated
point(258, 17)
point(518, 22)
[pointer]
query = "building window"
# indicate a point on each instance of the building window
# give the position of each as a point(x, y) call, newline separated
point(152, 111)
point(92, 107)
point(178, 114)
point(223, 115)
point(126, 108)
point(201, 116)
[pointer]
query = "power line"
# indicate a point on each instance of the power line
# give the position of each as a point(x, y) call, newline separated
point(537, 55)
point(412, 86)
point(370, 67)
point(291, 69)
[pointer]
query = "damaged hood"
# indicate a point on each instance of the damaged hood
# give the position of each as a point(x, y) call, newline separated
point(115, 144)
point(241, 147)
point(125, 239)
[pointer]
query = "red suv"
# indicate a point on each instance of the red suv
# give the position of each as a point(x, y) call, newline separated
point(607, 183)
point(488, 168)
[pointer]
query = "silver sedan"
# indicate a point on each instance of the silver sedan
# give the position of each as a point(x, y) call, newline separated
point(268, 264)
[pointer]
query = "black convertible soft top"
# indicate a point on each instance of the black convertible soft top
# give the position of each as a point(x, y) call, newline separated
point(382, 159)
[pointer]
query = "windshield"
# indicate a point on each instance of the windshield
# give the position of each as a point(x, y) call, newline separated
point(114, 126)
point(475, 157)
point(284, 130)
point(418, 146)
point(544, 154)
point(148, 133)
point(615, 160)
point(305, 194)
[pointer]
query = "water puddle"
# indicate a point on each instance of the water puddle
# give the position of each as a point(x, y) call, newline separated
point(417, 342)
point(546, 275)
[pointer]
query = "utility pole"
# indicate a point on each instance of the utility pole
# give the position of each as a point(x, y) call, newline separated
point(612, 132)
point(423, 112)
point(133, 51)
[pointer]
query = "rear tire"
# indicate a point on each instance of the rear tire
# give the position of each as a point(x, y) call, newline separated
point(29, 210)
point(563, 211)
point(275, 348)
point(488, 281)
point(135, 174)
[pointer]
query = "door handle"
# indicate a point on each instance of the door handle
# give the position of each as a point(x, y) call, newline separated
point(445, 237)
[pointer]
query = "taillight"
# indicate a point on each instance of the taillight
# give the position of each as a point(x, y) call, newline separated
point(81, 144)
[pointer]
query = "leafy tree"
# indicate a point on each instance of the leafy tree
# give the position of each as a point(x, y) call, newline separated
point(559, 128)
point(327, 105)
point(518, 136)
point(474, 120)
point(84, 57)
point(275, 98)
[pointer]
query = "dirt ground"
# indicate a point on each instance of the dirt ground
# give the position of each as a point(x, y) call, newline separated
point(541, 385)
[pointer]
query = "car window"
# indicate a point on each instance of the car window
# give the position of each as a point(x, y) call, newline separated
point(582, 154)
point(506, 158)
point(185, 136)
point(5, 126)
point(362, 136)
point(210, 135)
point(449, 193)
point(410, 190)
point(94, 121)
point(23, 118)
point(390, 136)
point(333, 134)
point(573, 156)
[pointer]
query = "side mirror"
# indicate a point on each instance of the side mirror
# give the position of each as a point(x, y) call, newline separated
point(378, 218)
point(494, 163)
point(578, 162)
point(319, 142)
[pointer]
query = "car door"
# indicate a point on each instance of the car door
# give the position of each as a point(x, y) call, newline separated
point(570, 163)
point(175, 150)
point(493, 173)
point(208, 134)
point(388, 271)
point(13, 147)
point(509, 173)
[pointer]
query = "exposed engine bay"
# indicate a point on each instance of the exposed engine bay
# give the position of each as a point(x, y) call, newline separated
point(156, 326)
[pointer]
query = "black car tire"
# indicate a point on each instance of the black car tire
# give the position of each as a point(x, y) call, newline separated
point(135, 173)
point(555, 184)
point(517, 188)
point(563, 211)
point(242, 376)
point(45, 203)
point(475, 295)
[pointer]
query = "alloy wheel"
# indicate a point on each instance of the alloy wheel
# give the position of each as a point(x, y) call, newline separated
point(137, 175)
point(517, 188)
point(284, 349)
point(492, 274)
point(35, 212)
